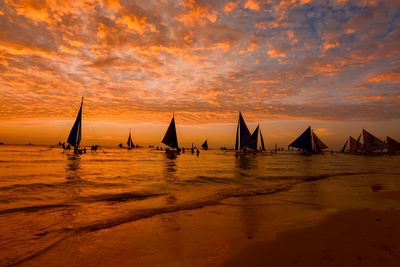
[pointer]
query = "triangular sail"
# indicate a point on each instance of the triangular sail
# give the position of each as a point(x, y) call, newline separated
point(205, 145)
point(392, 145)
point(129, 142)
point(318, 144)
point(74, 138)
point(344, 147)
point(354, 147)
point(303, 141)
point(245, 136)
point(372, 143)
point(170, 138)
point(358, 144)
point(237, 138)
point(262, 142)
point(254, 139)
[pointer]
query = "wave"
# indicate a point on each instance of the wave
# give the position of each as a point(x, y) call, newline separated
point(38, 186)
point(34, 208)
point(121, 197)
point(243, 191)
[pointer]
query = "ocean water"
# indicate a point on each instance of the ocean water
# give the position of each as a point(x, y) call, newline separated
point(47, 195)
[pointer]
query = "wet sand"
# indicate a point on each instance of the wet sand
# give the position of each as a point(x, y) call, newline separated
point(338, 221)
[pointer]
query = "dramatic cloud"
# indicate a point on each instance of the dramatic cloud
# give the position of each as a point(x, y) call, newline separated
point(204, 60)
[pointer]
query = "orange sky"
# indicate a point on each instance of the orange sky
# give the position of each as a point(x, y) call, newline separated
point(286, 64)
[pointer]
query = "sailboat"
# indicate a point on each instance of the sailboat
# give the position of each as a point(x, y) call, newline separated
point(309, 142)
point(74, 138)
point(354, 145)
point(170, 139)
point(246, 142)
point(205, 145)
point(129, 142)
point(392, 145)
point(371, 143)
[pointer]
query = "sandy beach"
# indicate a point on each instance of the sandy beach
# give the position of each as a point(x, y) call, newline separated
point(327, 222)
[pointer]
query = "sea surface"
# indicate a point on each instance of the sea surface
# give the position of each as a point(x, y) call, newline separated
point(47, 195)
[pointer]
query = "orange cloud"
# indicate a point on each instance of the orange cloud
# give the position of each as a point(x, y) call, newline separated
point(392, 77)
point(197, 14)
point(275, 53)
point(229, 7)
point(252, 5)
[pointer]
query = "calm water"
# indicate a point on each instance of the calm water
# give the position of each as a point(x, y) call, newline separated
point(47, 195)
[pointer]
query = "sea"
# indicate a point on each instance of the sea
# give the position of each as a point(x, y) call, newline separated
point(47, 195)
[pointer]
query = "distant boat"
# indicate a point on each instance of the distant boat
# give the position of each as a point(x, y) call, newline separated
point(392, 145)
point(371, 142)
point(205, 145)
point(129, 142)
point(171, 140)
point(352, 145)
point(74, 138)
point(246, 142)
point(309, 142)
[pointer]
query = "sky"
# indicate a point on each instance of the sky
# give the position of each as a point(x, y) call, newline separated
point(334, 65)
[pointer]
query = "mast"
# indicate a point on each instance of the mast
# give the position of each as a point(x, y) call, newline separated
point(74, 138)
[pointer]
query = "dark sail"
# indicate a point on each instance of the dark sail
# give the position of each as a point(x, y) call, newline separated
point(130, 143)
point(74, 138)
point(372, 143)
point(392, 145)
point(205, 145)
point(237, 137)
point(254, 138)
point(170, 138)
point(318, 144)
point(344, 147)
point(262, 142)
point(303, 141)
point(245, 136)
point(357, 145)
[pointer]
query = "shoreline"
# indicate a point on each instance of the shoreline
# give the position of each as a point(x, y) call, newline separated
point(255, 230)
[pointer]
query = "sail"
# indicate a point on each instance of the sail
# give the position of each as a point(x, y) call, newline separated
point(245, 136)
point(170, 138)
point(358, 144)
point(237, 137)
point(205, 145)
point(303, 141)
point(254, 138)
point(344, 147)
point(129, 142)
point(392, 145)
point(74, 138)
point(262, 142)
point(318, 144)
point(354, 147)
point(372, 143)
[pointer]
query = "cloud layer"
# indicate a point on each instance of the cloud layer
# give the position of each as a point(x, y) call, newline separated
point(140, 61)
